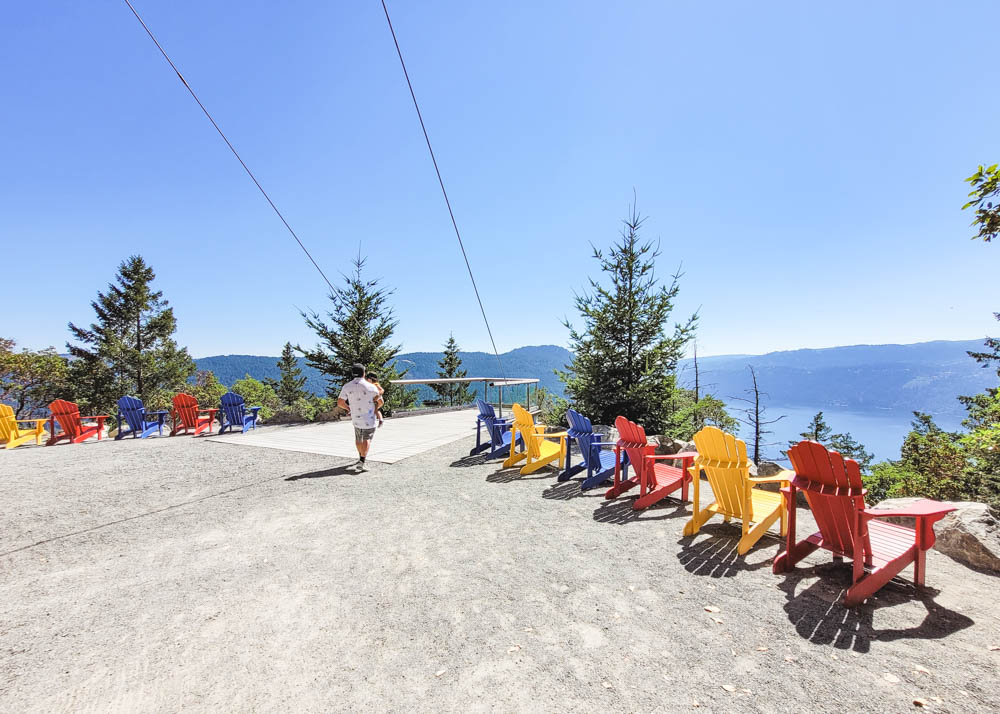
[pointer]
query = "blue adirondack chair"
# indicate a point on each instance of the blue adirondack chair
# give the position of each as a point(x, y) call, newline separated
point(600, 464)
point(234, 413)
point(140, 422)
point(497, 429)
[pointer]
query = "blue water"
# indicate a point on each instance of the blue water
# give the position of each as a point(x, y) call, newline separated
point(881, 434)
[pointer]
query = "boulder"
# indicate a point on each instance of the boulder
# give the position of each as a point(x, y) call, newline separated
point(769, 468)
point(666, 445)
point(970, 534)
point(609, 434)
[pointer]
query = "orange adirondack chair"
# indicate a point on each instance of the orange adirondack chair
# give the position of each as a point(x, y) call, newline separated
point(11, 435)
point(836, 496)
point(188, 416)
point(655, 479)
point(67, 415)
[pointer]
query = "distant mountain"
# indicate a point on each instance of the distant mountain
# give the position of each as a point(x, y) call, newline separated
point(926, 376)
point(875, 379)
point(534, 362)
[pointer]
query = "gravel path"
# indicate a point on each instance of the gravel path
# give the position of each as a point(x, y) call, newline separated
point(179, 573)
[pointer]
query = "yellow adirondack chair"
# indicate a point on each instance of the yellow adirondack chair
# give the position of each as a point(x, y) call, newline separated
point(12, 436)
point(538, 452)
point(723, 457)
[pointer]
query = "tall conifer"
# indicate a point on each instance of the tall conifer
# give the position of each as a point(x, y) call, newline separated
point(450, 367)
point(130, 348)
point(625, 355)
point(360, 328)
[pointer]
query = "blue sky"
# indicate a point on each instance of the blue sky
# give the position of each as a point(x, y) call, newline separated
point(804, 162)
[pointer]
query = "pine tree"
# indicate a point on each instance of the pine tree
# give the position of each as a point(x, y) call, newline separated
point(847, 447)
point(449, 367)
point(130, 348)
point(624, 360)
point(290, 387)
point(361, 325)
point(818, 430)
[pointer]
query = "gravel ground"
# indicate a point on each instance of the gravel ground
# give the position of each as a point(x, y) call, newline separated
point(179, 573)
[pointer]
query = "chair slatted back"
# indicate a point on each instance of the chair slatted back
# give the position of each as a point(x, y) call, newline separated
point(234, 407)
point(524, 422)
point(834, 490)
point(632, 439)
point(8, 424)
point(68, 416)
point(724, 460)
point(489, 418)
point(582, 430)
point(187, 407)
point(132, 409)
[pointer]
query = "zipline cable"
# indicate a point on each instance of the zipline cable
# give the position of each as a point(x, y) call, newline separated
point(451, 213)
point(231, 147)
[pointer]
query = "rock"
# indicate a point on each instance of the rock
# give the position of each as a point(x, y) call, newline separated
point(769, 468)
point(609, 434)
point(970, 534)
point(666, 445)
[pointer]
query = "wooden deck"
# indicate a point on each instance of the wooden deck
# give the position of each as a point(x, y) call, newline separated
point(395, 440)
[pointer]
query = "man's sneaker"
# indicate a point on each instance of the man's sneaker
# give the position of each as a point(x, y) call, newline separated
point(356, 466)
point(364, 466)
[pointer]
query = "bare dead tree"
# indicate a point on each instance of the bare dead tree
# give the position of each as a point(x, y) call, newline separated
point(755, 415)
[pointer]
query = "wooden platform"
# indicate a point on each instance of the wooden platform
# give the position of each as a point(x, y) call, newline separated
point(397, 439)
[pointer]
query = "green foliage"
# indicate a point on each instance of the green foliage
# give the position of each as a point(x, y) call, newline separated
point(984, 197)
point(207, 390)
point(624, 360)
point(450, 367)
point(257, 394)
point(360, 327)
point(845, 444)
point(847, 447)
point(687, 417)
point(552, 407)
point(301, 409)
point(289, 387)
point(30, 380)
point(130, 348)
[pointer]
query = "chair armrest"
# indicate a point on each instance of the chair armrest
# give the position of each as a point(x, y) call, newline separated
point(920, 509)
point(256, 409)
point(782, 477)
point(31, 421)
point(102, 417)
point(555, 435)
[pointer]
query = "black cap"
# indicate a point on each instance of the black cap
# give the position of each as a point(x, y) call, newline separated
point(357, 370)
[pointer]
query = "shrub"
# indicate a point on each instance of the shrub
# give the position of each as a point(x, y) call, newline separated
point(257, 394)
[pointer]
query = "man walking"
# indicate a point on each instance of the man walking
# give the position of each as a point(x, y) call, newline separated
point(362, 400)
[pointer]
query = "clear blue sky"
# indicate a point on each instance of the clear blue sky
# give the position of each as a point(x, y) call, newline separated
point(803, 161)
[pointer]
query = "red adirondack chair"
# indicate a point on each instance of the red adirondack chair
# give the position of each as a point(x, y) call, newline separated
point(67, 414)
point(187, 416)
point(836, 496)
point(655, 479)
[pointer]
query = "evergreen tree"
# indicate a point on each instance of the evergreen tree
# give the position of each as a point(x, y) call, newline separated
point(130, 348)
point(624, 360)
point(846, 446)
point(449, 367)
point(290, 387)
point(985, 196)
point(361, 325)
point(818, 430)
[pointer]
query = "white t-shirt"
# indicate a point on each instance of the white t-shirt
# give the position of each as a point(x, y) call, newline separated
point(360, 395)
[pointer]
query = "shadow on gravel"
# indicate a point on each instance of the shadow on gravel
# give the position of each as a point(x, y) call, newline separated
point(819, 615)
point(336, 471)
point(717, 556)
point(620, 511)
point(568, 490)
point(475, 460)
point(514, 474)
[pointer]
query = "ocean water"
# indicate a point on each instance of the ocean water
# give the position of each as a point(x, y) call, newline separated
point(881, 434)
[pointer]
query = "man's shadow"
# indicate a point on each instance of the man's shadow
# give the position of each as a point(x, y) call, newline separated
point(346, 470)
point(820, 616)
